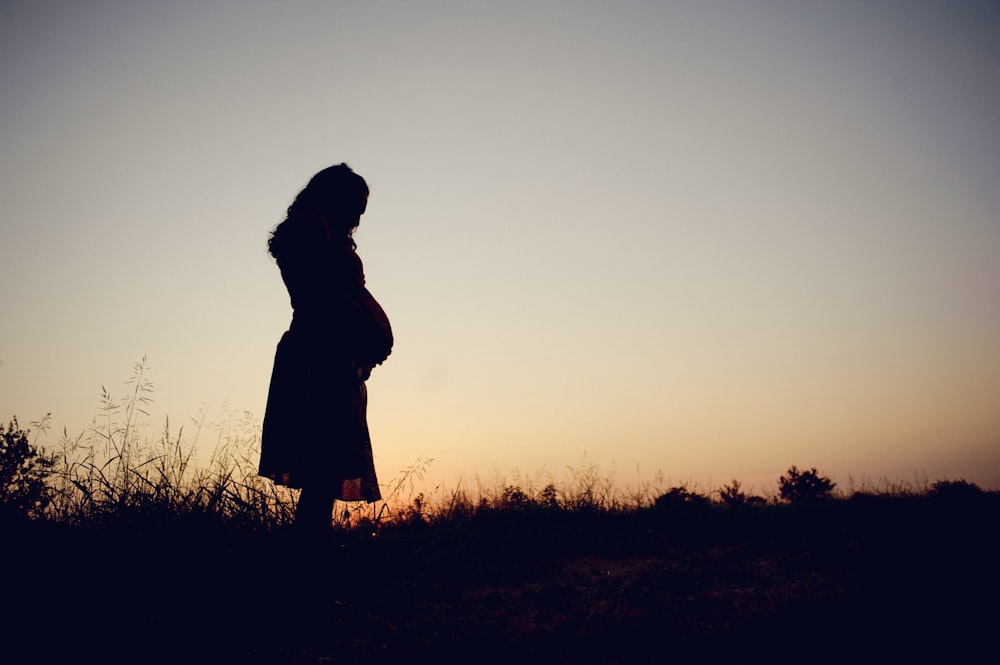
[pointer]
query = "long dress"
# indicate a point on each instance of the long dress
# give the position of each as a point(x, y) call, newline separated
point(315, 431)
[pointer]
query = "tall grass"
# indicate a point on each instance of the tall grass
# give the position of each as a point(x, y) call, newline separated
point(109, 471)
point(112, 472)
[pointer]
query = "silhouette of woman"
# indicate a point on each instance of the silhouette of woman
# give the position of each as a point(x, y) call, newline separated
point(315, 433)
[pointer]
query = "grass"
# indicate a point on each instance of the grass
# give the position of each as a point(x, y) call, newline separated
point(511, 577)
point(141, 553)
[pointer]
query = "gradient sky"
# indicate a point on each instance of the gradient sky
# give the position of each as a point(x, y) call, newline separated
point(706, 239)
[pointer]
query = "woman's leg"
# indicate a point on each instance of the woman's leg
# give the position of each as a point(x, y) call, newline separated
point(315, 508)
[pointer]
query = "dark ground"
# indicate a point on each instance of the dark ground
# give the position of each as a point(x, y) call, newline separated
point(867, 580)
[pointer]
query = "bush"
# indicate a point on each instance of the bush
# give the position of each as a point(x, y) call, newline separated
point(804, 485)
point(680, 496)
point(23, 472)
point(514, 498)
point(733, 496)
point(955, 489)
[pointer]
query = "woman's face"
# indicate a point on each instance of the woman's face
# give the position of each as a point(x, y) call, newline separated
point(364, 206)
point(339, 213)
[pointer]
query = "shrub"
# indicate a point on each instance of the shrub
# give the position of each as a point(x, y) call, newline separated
point(549, 497)
point(804, 485)
point(680, 496)
point(955, 489)
point(514, 498)
point(23, 472)
point(733, 496)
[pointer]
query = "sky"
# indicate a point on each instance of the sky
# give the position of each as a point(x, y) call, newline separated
point(694, 240)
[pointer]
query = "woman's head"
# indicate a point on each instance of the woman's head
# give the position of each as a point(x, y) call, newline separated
point(337, 194)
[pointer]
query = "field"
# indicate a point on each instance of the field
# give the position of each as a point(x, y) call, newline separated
point(863, 579)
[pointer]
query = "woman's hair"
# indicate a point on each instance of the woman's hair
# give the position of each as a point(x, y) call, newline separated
point(336, 194)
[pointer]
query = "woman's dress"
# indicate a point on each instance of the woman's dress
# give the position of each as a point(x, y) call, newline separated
point(315, 431)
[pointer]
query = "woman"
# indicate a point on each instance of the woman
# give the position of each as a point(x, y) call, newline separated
point(315, 433)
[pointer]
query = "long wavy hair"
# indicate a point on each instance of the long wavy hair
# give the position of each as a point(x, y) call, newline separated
point(336, 194)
